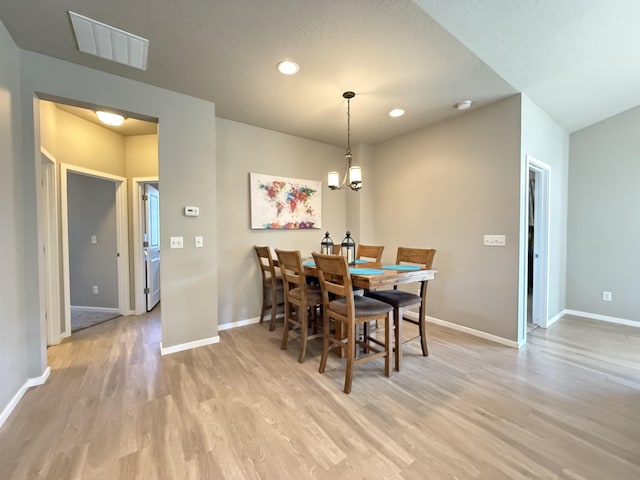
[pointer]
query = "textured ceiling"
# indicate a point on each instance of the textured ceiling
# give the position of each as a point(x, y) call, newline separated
point(392, 53)
point(579, 60)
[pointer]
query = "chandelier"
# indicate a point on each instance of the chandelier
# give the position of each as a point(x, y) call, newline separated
point(352, 173)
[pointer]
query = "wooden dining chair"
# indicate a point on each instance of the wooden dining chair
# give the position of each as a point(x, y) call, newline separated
point(400, 299)
point(347, 311)
point(301, 300)
point(373, 252)
point(272, 287)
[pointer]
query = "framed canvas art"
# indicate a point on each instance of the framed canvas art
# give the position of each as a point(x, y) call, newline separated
point(285, 203)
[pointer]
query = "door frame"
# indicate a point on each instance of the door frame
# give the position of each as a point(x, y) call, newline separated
point(137, 189)
point(122, 237)
point(541, 231)
point(50, 265)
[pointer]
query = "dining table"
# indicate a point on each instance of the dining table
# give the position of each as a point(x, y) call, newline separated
point(370, 275)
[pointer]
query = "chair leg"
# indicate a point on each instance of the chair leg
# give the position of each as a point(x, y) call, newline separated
point(351, 354)
point(387, 346)
point(304, 326)
point(274, 306)
point(397, 333)
point(422, 325)
point(264, 303)
point(325, 342)
point(287, 326)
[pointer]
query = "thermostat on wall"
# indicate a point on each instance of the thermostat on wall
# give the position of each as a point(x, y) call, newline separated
point(191, 211)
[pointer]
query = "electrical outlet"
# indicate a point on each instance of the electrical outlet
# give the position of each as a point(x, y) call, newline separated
point(606, 296)
point(95, 290)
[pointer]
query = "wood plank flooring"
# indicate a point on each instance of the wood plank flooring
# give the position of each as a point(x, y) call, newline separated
point(567, 406)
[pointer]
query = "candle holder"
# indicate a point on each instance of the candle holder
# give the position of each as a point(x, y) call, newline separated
point(326, 246)
point(348, 248)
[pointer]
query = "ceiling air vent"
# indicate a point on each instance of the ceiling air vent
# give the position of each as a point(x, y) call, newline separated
point(111, 43)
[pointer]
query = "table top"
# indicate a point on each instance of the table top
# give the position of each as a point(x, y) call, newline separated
point(388, 278)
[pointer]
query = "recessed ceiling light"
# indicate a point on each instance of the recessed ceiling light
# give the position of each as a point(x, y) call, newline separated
point(463, 105)
point(109, 118)
point(396, 112)
point(287, 67)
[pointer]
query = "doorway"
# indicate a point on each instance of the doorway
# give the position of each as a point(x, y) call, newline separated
point(537, 244)
point(121, 239)
point(146, 243)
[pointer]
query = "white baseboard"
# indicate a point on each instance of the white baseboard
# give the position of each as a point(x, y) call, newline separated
point(96, 309)
point(470, 331)
point(31, 382)
point(557, 317)
point(188, 346)
point(603, 318)
point(248, 321)
point(239, 323)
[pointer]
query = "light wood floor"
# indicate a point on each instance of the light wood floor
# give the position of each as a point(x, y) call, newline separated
point(567, 406)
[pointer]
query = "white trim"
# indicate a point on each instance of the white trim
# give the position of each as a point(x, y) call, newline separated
point(239, 323)
point(541, 240)
point(41, 380)
point(188, 346)
point(31, 382)
point(470, 331)
point(603, 318)
point(96, 309)
point(122, 238)
point(49, 264)
point(556, 318)
point(137, 186)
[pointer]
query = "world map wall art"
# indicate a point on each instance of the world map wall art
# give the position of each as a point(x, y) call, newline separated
point(285, 203)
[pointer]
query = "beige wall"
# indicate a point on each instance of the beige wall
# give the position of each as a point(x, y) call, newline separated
point(243, 149)
point(141, 156)
point(446, 186)
point(604, 219)
point(73, 140)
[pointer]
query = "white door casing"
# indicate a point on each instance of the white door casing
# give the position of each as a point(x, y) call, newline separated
point(139, 265)
point(122, 237)
point(50, 261)
point(540, 310)
point(152, 246)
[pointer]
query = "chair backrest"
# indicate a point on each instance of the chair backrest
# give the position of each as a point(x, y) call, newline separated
point(370, 251)
point(290, 263)
point(333, 272)
point(336, 249)
point(417, 256)
point(267, 267)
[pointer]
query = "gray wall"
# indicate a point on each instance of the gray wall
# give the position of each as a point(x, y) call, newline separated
point(604, 218)
point(446, 186)
point(91, 206)
point(243, 149)
point(544, 139)
point(13, 341)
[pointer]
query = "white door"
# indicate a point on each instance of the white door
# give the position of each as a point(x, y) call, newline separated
point(540, 240)
point(152, 246)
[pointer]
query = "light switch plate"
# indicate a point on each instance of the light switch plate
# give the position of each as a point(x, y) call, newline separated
point(199, 241)
point(495, 240)
point(176, 242)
